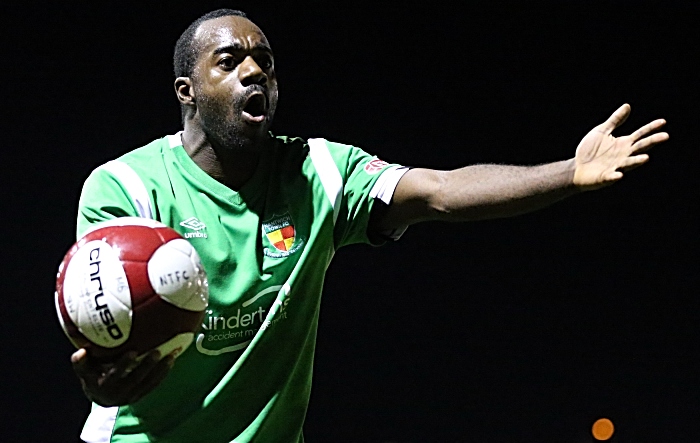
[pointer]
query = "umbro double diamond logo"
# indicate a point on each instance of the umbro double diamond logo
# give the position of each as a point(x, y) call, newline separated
point(195, 225)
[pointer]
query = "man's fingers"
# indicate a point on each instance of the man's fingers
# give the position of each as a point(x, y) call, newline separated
point(124, 365)
point(130, 377)
point(633, 162)
point(79, 358)
point(646, 143)
point(613, 176)
point(83, 367)
point(139, 373)
point(616, 119)
point(647, 129)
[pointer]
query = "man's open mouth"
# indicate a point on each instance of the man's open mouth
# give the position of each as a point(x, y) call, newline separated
point(255, 109)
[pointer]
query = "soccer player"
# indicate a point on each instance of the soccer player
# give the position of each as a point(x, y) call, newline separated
point(266, 214)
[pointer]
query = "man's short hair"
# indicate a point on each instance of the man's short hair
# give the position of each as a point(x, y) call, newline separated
point(185, 52)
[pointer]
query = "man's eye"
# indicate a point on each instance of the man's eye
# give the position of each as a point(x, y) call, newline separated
point(265, 63)
point(227, 62)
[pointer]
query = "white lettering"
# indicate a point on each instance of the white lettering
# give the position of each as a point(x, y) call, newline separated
point(233, 317)
point(195, 235)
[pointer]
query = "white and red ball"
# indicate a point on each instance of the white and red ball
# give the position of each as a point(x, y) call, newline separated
point(131, 284)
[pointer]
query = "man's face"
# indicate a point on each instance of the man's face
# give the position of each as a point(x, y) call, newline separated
point(234, 81)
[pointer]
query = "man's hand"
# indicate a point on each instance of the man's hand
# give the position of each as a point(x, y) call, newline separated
point(123, 382)
point(481, 192)
point(601, 158)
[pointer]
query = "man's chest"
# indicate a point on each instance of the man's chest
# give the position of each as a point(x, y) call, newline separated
point(249, 254)
point(246, 246)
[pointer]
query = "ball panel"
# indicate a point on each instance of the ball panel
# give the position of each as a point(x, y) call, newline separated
point(156, 321)
point(96, 295)
point(182, 246)
point(176, 277)
point(135, 243)
point(67, 325)
point(137, 275)
point(201, 298)
point(126, 221)
point(167, 234)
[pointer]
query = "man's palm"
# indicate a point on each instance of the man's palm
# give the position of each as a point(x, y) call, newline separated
point(601, 158)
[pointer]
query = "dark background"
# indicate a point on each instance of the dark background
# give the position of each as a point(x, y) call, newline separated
point(523, 329)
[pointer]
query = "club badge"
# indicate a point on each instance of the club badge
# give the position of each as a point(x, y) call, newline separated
point(281, 236)
point(374, 166)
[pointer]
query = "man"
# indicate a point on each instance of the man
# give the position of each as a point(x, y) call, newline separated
point(266, 214)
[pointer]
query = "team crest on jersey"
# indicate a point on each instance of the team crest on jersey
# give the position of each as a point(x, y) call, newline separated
point(281, 236)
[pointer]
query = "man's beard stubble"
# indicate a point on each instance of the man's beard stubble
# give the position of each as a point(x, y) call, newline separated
point(223, 129)
point(223, 123)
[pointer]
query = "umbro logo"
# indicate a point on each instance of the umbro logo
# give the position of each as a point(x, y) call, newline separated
point(195, 225)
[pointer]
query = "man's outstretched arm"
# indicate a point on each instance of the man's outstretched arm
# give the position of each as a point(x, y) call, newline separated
point(491, 191)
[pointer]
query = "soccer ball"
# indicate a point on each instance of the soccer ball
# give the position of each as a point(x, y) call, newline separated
point(131, 284)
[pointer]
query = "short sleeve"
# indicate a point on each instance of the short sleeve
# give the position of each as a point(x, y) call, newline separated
point(113, 190)
point(365, 178)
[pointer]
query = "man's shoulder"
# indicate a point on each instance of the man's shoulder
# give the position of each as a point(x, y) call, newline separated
point(142, 159)
point(146, 154)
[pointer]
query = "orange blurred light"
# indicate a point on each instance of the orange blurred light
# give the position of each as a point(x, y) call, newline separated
point(602, 429)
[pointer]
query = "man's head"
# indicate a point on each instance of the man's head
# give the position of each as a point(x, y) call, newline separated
point(226, 80)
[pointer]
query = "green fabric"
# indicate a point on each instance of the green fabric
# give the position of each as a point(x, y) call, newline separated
point(264, 301)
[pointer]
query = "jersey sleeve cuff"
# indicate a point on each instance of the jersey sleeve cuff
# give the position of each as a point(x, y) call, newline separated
point(383, 190)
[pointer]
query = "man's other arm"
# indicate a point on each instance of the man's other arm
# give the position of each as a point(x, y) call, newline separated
point(491, 191)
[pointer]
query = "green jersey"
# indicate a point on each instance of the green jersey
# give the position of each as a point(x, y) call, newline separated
point(247, 376)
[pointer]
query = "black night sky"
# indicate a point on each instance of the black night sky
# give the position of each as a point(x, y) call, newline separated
point(516, 330)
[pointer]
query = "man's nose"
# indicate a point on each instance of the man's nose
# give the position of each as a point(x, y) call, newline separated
point(250, 73)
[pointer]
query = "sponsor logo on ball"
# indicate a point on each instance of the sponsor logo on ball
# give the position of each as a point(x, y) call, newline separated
point(96, 295)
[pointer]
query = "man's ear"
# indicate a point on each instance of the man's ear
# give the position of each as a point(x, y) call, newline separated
point(184, 91)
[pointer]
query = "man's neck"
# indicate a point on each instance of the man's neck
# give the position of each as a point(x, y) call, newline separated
point(232, 167)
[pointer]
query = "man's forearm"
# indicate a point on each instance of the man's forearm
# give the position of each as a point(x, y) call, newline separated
point(492, 191)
